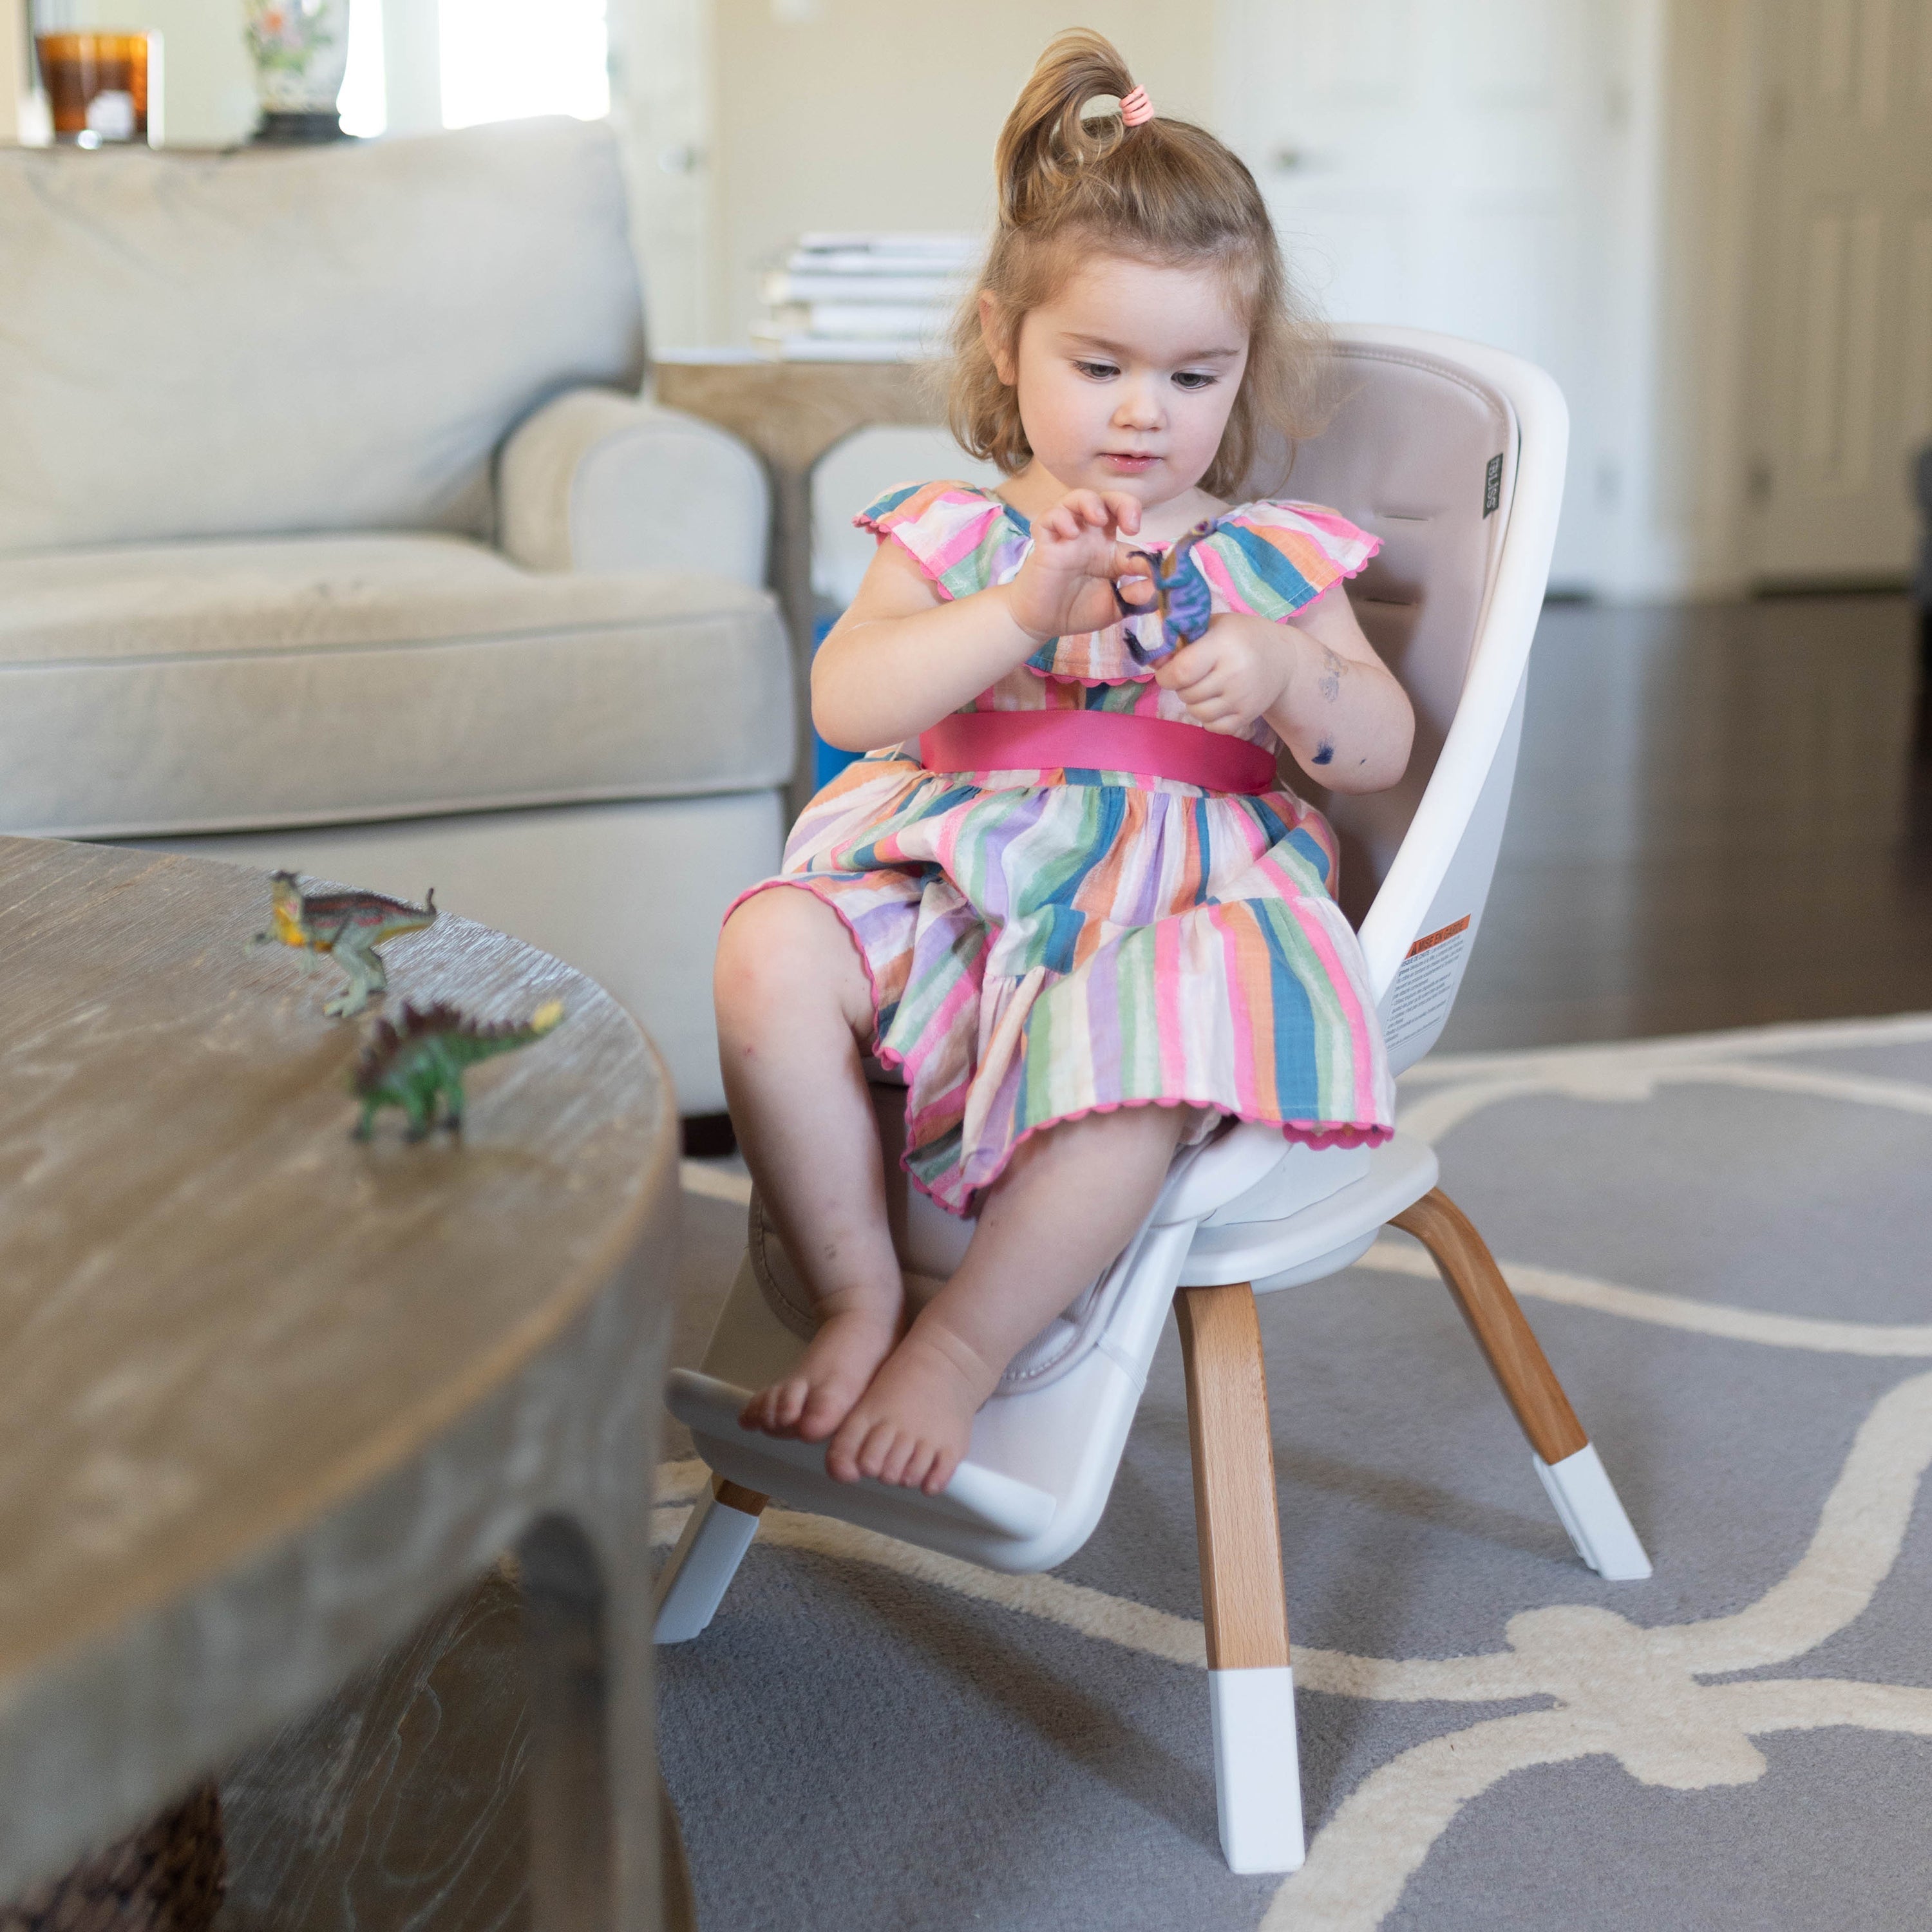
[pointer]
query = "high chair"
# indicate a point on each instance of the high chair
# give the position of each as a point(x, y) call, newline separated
point(1454, 455)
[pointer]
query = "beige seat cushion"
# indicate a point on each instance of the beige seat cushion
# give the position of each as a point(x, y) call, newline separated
point(211, 686)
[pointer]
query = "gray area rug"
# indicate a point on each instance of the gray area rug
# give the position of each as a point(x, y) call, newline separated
point(1723, 1242)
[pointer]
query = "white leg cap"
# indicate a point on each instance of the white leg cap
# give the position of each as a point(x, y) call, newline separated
point(1593, 1516)
point(699, 1570)
point(1257, 1768)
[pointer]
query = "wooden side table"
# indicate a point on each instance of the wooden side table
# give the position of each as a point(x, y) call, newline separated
point(792, 413)
point(268, 1396)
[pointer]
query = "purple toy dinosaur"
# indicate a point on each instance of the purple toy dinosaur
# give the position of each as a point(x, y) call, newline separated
point(1182, 595)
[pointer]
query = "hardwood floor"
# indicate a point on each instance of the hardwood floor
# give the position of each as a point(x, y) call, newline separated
point(1722, 818)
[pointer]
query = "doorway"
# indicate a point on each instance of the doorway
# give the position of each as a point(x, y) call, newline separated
point(1841, 356)
point(1476, 167)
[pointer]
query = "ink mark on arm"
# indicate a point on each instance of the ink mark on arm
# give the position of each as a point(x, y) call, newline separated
point(1331, 675)
point(1325, 751)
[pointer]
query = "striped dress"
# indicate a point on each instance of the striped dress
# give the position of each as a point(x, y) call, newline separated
point(1041, 945)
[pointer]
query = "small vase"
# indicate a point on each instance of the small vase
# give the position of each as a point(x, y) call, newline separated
point(300, 48)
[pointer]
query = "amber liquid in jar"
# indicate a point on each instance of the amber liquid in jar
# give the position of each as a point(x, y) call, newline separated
point(97, 85)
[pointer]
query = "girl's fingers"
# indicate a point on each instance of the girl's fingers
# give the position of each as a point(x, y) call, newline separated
point(1126, 510)
point(1084, 506)
point(1190, 666)
point(1136, 589)
point(1169, 674)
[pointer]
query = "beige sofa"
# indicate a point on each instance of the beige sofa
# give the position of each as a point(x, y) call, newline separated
point(333, 535)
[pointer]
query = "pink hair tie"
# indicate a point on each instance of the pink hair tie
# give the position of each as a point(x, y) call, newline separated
point(1136, 107)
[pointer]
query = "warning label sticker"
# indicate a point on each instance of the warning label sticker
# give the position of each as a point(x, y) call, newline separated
point(1425, 981)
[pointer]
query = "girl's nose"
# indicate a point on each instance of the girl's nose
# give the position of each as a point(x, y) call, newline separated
point(1138, 407)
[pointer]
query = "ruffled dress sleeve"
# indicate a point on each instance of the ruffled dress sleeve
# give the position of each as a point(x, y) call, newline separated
point(1273, 558)
point(964, 539)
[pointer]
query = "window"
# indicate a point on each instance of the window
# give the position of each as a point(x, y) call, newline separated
point(485, 60)
point(503, 59)
point(363, 103)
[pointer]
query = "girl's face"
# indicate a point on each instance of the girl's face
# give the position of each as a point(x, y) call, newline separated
point(1126, 377)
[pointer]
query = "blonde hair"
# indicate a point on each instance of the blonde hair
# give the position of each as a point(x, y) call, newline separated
point(1164, 191)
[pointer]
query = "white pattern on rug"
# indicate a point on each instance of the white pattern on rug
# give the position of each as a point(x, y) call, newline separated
point(1617, 1688)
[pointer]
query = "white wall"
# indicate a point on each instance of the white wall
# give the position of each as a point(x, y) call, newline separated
point(863, 114)
point(13, 67)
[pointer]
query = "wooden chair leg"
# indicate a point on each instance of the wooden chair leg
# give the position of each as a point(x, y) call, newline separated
point(1509, 1345)
point(1250, 1683)
point(699, 1570)
point(1571, 1472)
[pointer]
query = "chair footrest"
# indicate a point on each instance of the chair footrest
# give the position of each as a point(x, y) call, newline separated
point(982, 1497)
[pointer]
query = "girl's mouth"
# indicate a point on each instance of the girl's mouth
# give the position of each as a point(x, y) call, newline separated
point(1127, 463)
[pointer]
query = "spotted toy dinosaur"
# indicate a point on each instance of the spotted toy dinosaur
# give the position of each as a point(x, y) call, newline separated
point(346, 926)
point(415, 1062)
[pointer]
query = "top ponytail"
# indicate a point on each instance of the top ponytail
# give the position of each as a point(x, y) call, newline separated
point(1164, 191)
point(1047, 142)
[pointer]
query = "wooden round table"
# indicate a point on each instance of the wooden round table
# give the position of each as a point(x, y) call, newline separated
point(268, 1395)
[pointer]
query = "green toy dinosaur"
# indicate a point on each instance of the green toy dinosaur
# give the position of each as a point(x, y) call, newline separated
point(346, 926)
point(416, 1061)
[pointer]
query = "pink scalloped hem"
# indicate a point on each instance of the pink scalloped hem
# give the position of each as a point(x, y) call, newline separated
point(1089, 683)
point(1317, 1134)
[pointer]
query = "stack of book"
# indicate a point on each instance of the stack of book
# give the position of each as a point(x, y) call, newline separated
point(864, 298)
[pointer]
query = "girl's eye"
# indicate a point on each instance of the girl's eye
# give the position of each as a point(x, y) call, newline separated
point(1194, 379)
point(1099, 371)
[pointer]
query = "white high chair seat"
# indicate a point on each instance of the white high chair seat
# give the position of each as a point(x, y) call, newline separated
point(1454, 454)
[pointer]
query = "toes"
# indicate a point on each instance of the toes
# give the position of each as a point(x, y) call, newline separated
point(821, 1414)
point(876, 1448)
point(841, 1459)
point(896, 1465)
point(911, 1473)
point(789, 1401)
point(944, 1461)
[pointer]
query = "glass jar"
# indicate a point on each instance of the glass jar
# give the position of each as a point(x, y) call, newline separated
point(97, 85)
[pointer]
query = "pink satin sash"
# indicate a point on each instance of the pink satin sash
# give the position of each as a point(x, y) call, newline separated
point(1107, 741)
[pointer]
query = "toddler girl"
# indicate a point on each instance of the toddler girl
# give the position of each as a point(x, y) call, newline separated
point(1071, 903)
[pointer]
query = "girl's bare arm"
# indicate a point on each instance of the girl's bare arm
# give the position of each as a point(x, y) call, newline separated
point(1315, 678)
point(901, 657)
point(1342, 713)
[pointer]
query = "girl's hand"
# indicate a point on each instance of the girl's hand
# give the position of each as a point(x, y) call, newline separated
point(1065, 586)
point(1236, 673)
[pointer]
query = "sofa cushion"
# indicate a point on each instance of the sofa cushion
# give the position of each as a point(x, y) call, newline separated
point(210, 686)
point(298, 339)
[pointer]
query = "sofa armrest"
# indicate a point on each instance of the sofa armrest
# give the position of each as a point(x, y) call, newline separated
point(595, 481)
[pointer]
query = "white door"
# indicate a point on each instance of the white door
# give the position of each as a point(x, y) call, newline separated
point(1460, 165)
point(1842, 374)
point(661, 92)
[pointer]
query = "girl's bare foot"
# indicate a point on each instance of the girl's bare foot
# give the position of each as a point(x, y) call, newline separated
point(830, 1376)
point(911, 1426)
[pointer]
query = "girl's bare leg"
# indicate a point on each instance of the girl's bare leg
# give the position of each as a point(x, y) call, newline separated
point(793, 1008)
point(1068, 1203)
